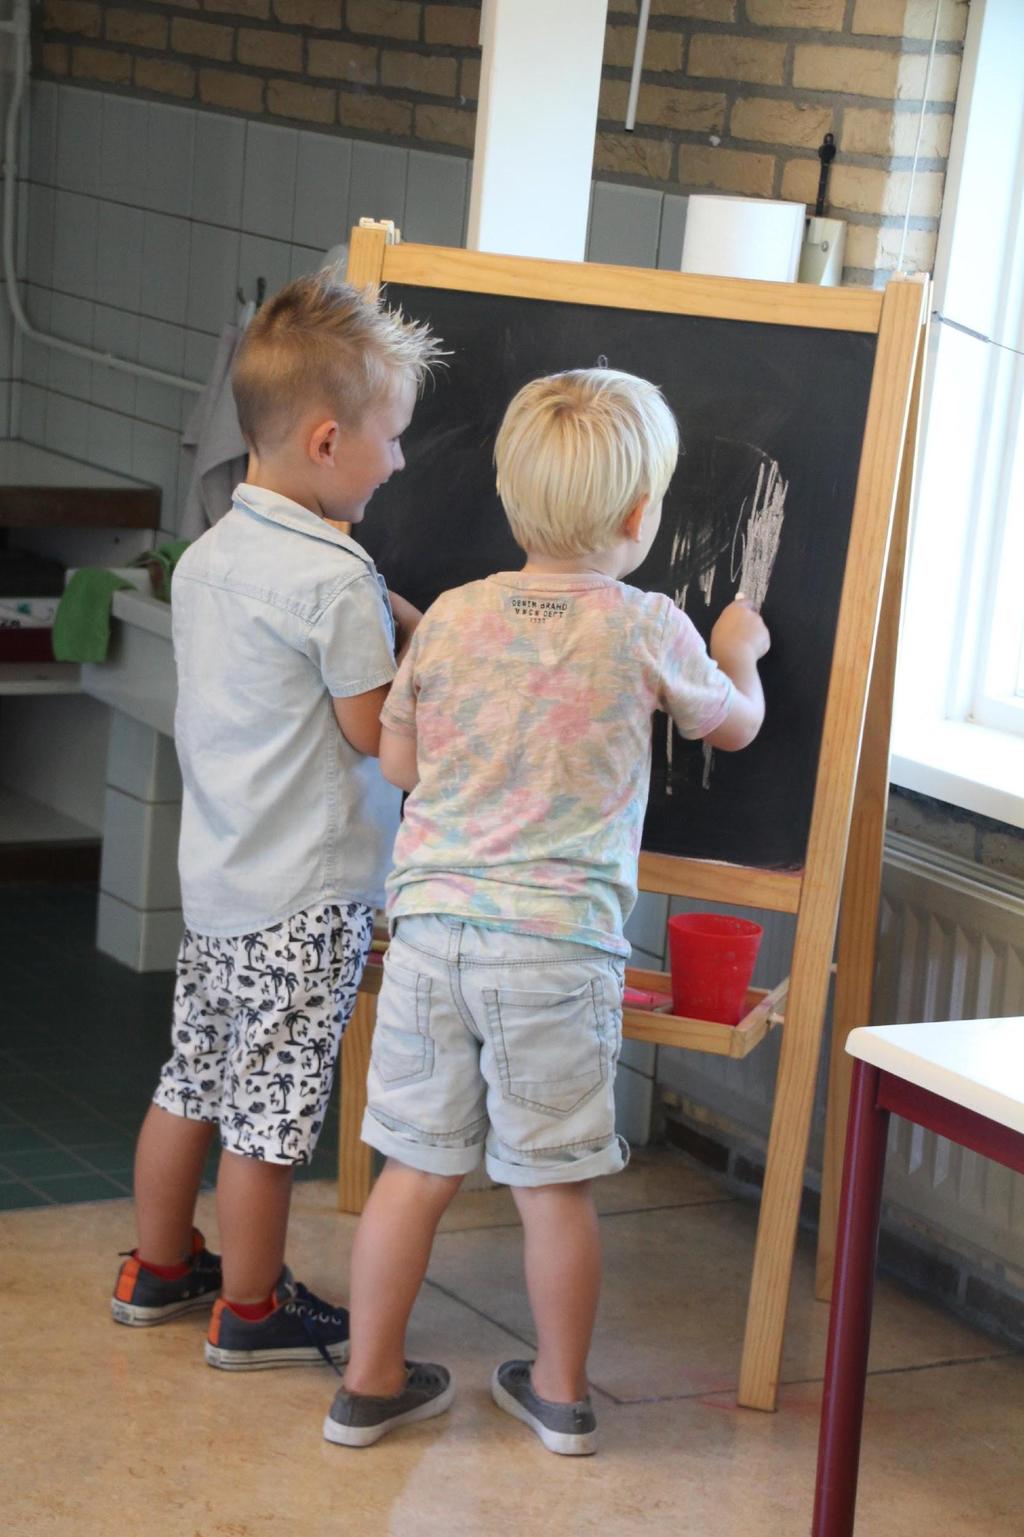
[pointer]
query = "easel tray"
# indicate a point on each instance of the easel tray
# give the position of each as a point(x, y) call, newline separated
point(763, 1010)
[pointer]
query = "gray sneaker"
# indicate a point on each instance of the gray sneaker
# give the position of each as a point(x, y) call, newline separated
point(569, 1429)
point(357, 1419)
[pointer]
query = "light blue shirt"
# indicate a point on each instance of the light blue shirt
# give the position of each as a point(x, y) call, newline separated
point(274, 612)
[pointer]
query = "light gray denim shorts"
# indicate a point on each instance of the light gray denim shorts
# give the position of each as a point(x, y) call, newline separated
point(506, 1043)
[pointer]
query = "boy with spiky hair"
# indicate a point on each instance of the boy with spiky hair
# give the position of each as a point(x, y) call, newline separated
point(285, 639)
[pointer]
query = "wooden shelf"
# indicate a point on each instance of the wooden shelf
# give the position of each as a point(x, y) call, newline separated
point(764, 1009)
point(40, 489)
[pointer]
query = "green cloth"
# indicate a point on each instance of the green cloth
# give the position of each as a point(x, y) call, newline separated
point(81, 625)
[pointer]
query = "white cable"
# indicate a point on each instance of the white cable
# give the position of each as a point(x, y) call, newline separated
point(19, 26)
point(638, 64)
point(920, 130)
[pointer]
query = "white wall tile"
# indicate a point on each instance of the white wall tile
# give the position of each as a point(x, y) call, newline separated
point(160, 346)
point(219, 169)
point(645, 926)
point(165, 253)
point(435, 203)
point(378, 185)
point(155, 455)
point(169, 156)
point(41, 229)
point(119, 243)
point(30, 406)
point(35, 358)
point(79, 132)
point(260, 258)
point(321, 190)
point(67, 426)
point(268, 195)
point(110, 440)
point(72, 320)
point(116, 332)
point(200, 351)
point(125, 146)
point(75, 243)
point(305, 259)
point(213, 278)
point(624, 226)
point(42, 120)
point(673, 222)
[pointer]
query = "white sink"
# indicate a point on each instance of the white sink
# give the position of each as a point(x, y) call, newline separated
point(138, 678)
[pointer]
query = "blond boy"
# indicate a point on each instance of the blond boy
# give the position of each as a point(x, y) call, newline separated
point(520, 720)
point(285, 640)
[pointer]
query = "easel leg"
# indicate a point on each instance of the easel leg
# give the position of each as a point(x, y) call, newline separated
point(862, 880)
point(355, 1159)
point(783, 1182)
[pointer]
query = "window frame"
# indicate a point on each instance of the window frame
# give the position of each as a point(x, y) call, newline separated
point(955, 733)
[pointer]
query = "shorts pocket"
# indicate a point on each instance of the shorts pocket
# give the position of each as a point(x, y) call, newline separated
point(403, 1051)
point(552, 1048)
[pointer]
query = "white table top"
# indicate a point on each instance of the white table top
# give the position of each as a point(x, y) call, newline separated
point(977, 1063)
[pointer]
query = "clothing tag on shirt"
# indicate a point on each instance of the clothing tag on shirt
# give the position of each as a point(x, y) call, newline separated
point(538, 610)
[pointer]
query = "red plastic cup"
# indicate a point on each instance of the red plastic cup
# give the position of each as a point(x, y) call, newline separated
point(712, 961)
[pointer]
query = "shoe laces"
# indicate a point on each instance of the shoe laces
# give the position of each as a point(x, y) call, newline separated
point(312, 1310)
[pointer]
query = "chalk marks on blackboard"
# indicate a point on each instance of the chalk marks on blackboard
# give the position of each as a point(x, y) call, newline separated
point(759, 542)
point(751, 542)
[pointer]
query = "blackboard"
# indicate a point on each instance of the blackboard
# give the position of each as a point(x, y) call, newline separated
point(748, 396)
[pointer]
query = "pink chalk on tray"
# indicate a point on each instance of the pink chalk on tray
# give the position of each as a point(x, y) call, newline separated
point(712, 960)
point(641, 998)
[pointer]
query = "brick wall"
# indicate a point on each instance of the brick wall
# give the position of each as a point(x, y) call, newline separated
point(736, 94)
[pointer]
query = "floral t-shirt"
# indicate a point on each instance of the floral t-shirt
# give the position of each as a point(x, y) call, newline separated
point(531, 697)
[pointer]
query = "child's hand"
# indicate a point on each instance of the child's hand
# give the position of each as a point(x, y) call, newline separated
point(740, 635)
point(406, 619)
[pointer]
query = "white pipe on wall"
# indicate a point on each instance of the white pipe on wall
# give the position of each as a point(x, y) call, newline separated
point(638, 64)
point(19, 26)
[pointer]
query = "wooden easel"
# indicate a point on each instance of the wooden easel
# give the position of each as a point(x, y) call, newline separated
point(896, 317)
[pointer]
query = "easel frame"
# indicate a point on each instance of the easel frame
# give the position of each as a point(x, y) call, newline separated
point(897, 318)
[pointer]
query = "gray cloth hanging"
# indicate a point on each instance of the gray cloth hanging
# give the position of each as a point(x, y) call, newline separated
point(213, 451)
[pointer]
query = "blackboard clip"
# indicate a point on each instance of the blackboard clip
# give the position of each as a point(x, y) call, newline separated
point(392, 234)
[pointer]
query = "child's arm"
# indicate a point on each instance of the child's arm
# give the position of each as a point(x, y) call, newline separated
point(358, 718)
point(398, 758)
point(358, 715)
point(406, 618)
point(739, 639)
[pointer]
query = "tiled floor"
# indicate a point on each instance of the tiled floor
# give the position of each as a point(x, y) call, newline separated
point(82, 1040)
point(117, 1429)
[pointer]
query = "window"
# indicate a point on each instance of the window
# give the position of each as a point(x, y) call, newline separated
point(959, 718)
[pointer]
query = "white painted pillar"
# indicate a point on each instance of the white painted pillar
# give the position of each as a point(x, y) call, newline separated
point(535, 126)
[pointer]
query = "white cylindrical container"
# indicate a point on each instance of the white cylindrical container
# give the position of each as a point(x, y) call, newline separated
point(743, 237)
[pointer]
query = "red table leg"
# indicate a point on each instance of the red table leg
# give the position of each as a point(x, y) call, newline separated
point(849, 1331)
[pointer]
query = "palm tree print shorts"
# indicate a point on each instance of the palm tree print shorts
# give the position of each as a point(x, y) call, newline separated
point(257, 1022)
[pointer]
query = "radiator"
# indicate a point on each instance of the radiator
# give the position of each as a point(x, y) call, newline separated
point(951, 946)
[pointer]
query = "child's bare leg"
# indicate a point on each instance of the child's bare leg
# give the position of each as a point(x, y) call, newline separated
point(253, 1198)
point(389, 1260)
point(563, 1279)
point(169, 1159)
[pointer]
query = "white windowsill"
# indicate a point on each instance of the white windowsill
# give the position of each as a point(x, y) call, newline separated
point(964, 764)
